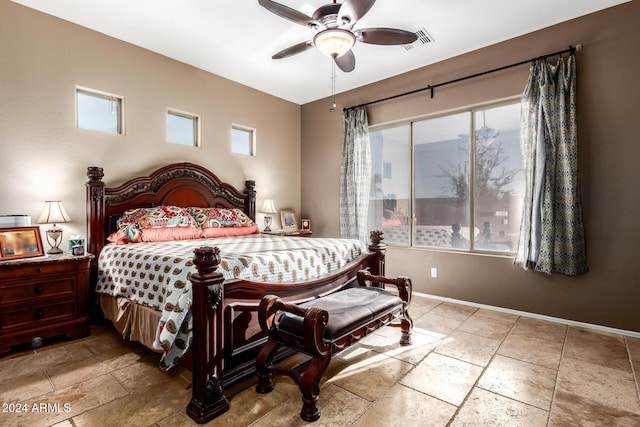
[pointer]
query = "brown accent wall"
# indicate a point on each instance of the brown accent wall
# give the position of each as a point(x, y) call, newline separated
point(43, 156)
point(609, 152)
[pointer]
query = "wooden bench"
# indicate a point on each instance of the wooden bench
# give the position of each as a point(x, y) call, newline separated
point(325, 326)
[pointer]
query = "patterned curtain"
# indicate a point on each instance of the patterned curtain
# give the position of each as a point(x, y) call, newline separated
point(355, 175)
point(551, 231)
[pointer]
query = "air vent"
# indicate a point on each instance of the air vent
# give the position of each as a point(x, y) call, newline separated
point(423, 38)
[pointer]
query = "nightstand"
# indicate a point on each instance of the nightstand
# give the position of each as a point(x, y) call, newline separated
point(295, 233)
point(43, 297)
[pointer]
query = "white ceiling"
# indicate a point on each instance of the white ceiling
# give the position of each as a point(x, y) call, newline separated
point(236, 38)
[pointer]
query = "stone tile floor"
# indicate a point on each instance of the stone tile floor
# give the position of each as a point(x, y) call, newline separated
point(467, 366)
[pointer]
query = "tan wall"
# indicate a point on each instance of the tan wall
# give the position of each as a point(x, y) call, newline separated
point(608, 92)
point(44, 156)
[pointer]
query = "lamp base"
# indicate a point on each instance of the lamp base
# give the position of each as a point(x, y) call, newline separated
point(54, 238)
point(54, 251)
point(267, 223)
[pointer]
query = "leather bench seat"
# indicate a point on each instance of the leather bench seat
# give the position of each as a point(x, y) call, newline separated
point(348, 310)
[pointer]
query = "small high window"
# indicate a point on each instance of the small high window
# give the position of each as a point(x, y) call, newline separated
point(183, 128)
point(243, 140)
point(99, 111)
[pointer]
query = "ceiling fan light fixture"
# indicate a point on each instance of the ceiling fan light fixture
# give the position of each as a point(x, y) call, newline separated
point(334, 42)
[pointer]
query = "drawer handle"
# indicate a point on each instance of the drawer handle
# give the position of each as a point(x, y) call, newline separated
point(39, 270)
point(39, 290)
point(39, 314)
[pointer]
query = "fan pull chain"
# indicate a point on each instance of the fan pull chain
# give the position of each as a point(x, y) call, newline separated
point(333, 86)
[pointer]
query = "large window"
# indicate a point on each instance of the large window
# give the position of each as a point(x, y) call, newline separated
point(452, 182)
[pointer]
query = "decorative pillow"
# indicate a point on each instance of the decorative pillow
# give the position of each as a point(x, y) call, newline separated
point(129, 234)
point(138, 225)
point(165, 234)
point(118, 238)
point(213, 232)
point(220, 217)
point(157, 217)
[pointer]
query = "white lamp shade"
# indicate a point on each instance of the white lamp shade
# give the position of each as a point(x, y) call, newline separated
point(53, 213)
point(268, 207)
point(334, 42)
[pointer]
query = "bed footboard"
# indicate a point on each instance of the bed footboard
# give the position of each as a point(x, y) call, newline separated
point(208, 400)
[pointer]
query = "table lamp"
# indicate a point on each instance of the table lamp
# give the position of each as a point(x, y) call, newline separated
point(54, 213)
point(268, 208)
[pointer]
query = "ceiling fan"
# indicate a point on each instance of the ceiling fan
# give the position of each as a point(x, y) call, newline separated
point(335, 35)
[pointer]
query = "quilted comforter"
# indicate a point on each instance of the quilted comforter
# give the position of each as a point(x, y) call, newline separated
point(157, 274)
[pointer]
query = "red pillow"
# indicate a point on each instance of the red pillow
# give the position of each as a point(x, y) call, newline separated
point(229, 231)
point(165, 234)
point(119, 238)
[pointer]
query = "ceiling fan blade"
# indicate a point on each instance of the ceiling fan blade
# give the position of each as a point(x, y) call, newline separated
point(385, 36)
point(346, 62)
point(293, 50)
point(287, 13)
point(352, 10)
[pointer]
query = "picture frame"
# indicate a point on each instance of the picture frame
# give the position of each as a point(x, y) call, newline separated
point(306, 224)
point(20, 242)
point(288, 219)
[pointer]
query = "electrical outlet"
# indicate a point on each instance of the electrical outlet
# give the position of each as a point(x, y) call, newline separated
point(434, 272)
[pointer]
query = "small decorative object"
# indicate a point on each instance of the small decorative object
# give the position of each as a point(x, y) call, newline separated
point(306, 224)
point(54, 213)
point(288, 219)
point(268, 208)
point(20, 242)
point(76, 245)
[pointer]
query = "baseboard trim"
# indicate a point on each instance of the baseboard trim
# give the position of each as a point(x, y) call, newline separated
point(535, 316)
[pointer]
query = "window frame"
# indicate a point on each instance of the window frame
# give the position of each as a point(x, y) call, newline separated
point(252, 142)
point(196, 127)
point(105, 95)
point(472, 173)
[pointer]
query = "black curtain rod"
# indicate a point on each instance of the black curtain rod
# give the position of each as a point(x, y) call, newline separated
point(570, 50)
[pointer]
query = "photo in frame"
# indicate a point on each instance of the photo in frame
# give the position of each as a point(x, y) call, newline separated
point(288, 219)
point(306, 224)
point(20, 242)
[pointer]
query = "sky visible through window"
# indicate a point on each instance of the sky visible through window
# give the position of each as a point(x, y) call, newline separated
point(99, 112)
point(182, 129)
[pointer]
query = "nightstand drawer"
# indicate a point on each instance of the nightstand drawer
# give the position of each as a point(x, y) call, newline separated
point(43, 297)
point(51, 286)
point(27, 317)
point(31, 270)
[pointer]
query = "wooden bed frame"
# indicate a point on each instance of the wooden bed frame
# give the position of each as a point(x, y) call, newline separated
point(226, 333)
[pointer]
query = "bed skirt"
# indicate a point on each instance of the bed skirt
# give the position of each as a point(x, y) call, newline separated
point(133, 321)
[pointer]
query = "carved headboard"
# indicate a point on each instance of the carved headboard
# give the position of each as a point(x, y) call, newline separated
point(179, 184)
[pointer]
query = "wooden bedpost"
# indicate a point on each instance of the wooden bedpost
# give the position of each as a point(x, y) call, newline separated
point(250, 201)
point(379, 249)
point(95, 216)
point(208, 400)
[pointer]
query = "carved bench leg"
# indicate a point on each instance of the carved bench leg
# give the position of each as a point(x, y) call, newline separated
point(405, 325)
point(263, 362)
point(310, 389)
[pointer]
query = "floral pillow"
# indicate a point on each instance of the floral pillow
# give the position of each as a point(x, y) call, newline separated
point(156, 217)
point(220, 217)
point(156, 224)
